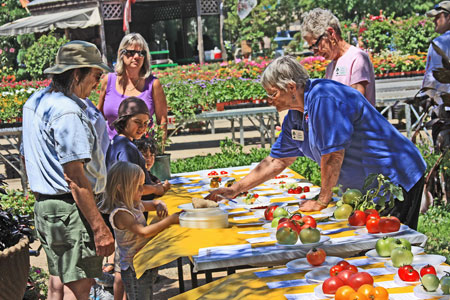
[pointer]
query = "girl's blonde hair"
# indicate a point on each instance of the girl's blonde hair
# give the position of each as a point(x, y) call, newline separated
point(133, 39)
point(122, 184)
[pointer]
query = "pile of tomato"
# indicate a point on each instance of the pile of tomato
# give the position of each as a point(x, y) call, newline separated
point(215, 173)
point(299, 190)
point(373, 222)
point(409, 274)
point(281, 176)
point(346, 283)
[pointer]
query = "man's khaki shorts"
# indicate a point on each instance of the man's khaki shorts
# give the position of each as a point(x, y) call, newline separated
point(67, 240)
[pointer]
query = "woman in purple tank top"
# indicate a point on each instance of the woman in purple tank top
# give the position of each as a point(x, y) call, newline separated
point(132, 78)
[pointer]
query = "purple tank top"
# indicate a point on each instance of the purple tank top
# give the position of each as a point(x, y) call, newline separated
point(113, 99)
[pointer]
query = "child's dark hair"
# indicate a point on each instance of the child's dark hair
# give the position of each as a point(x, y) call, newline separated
point(146, 144)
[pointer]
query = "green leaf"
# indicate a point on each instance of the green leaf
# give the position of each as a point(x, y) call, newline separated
point(369, 180)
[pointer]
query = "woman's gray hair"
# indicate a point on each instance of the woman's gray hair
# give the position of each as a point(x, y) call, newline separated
point(133, 39)
point(283, 71)
point(315, 22)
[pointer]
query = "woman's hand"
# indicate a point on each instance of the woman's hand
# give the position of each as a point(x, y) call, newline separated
point(225, 192)
point(161, 209)
point(311, 205)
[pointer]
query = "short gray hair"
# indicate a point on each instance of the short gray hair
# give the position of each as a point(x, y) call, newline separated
point(133, 39)
point(283, 71)
point(315, 22)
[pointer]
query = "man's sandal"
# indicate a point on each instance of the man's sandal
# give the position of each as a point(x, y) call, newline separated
point(108, 268)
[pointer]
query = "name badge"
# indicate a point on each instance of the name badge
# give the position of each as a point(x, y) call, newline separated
point(341, 71)
point(298, 135)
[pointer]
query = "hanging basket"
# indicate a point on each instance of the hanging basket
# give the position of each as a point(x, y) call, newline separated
point(15, 268)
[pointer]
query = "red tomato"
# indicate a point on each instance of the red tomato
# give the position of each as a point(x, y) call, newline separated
point(268, 213)
point(428, 269)
point(308, 220)
point(345, 275)
point(223, 172)
point(334, 271)
point(331, 285)
point(302, 197)
point(296, 217)
point(389, 224)
point(290, 191)
point(407, 273)
point(285, 222)
point(316, 256)
point(306, 189)
point(299, 189)
point(372, 225)
point(360, 278)
point(296, 191)
point(255, 196)
point(343, 263)
point(352, 268)
point(357, 218)
point(371, 211)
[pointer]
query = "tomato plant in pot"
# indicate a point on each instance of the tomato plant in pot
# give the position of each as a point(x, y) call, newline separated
point(161, 167)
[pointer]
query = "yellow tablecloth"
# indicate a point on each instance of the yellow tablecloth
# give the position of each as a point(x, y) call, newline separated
point(248, 286)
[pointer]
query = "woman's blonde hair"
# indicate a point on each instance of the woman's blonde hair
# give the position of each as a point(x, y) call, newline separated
point(283, 71)
point(122, 184)
point(133, 39)
point(315, 22)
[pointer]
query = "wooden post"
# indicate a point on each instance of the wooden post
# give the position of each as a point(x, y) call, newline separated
point(201, 50)
point(221, 19)
point(102, 33)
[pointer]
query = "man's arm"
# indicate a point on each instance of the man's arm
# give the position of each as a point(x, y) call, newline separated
point(265, 170)
point(84, 198)
point(330, 168)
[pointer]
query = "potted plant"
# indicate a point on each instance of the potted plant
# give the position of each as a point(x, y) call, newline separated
point(161, 167)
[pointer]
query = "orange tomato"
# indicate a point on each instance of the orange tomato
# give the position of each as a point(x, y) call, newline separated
point(343, 292)
point(357, 296)
point(381, 293)
point(367, 290)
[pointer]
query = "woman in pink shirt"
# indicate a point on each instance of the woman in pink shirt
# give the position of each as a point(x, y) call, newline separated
point(349, 65)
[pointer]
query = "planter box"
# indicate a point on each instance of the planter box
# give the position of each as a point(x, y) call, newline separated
point(15, 268)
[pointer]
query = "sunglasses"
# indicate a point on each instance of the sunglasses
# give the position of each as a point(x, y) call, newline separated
point(272, 95)
point(132, 53)
point(316, 44)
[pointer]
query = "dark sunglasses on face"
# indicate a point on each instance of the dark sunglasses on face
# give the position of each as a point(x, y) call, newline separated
point(132, 53)
point(316, 44)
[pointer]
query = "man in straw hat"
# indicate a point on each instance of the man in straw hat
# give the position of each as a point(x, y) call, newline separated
point(441, 17)
point(65, 167)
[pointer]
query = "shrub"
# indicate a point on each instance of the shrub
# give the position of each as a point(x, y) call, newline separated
point(435, 224)
point(42, 54)
point(17, 202)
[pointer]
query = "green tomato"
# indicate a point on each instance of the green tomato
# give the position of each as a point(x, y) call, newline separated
point(401, 242)
point(286, 236)
point(401, 257)
point(445, 284)
point(383, 246)
point(343, 212)
point(275, 222)
point(430, 282)
point(352, 196)
point(280, 212)
point(309, 235)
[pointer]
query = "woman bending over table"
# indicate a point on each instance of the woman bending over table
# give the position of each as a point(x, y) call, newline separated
point(349, 65)
point(334, 125)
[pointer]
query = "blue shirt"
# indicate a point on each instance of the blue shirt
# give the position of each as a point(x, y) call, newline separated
point(56, 131)
point(99, 122)
point(338, 117)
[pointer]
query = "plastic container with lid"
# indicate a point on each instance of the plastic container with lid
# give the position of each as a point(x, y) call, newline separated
point(211, 219)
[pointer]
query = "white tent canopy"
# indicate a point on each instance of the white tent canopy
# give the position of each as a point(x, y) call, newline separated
point(77, 18)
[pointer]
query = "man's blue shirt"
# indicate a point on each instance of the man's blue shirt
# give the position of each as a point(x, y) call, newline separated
point(338, 117)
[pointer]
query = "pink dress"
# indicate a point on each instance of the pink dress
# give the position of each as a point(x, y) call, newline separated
point(353, 67)
point(113, 99)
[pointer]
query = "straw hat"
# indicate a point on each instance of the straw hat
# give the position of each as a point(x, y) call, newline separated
point(77, 54)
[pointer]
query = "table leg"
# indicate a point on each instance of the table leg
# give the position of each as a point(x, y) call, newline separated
point(408, 120)
point(261, 130)
point(241, 131)
point(213, 128)
point(233, 136)
point(208, 276)
point(180, 274)
point(231, 270)
point(194, 280)
point(272, 130)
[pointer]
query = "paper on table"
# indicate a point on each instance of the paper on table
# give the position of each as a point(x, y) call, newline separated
point(406, 296)
point(179, 180)
point(379, 271)
point(261, 239)
point(256, 231)
point(275, 272)
point(223, 250)
point(245, 217)
point(307, 296)
point(287, 283)
point(386, 284)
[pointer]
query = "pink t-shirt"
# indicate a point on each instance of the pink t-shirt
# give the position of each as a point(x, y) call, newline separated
point(353, 67)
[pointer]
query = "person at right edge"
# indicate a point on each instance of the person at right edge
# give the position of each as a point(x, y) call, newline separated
point(441, 17)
